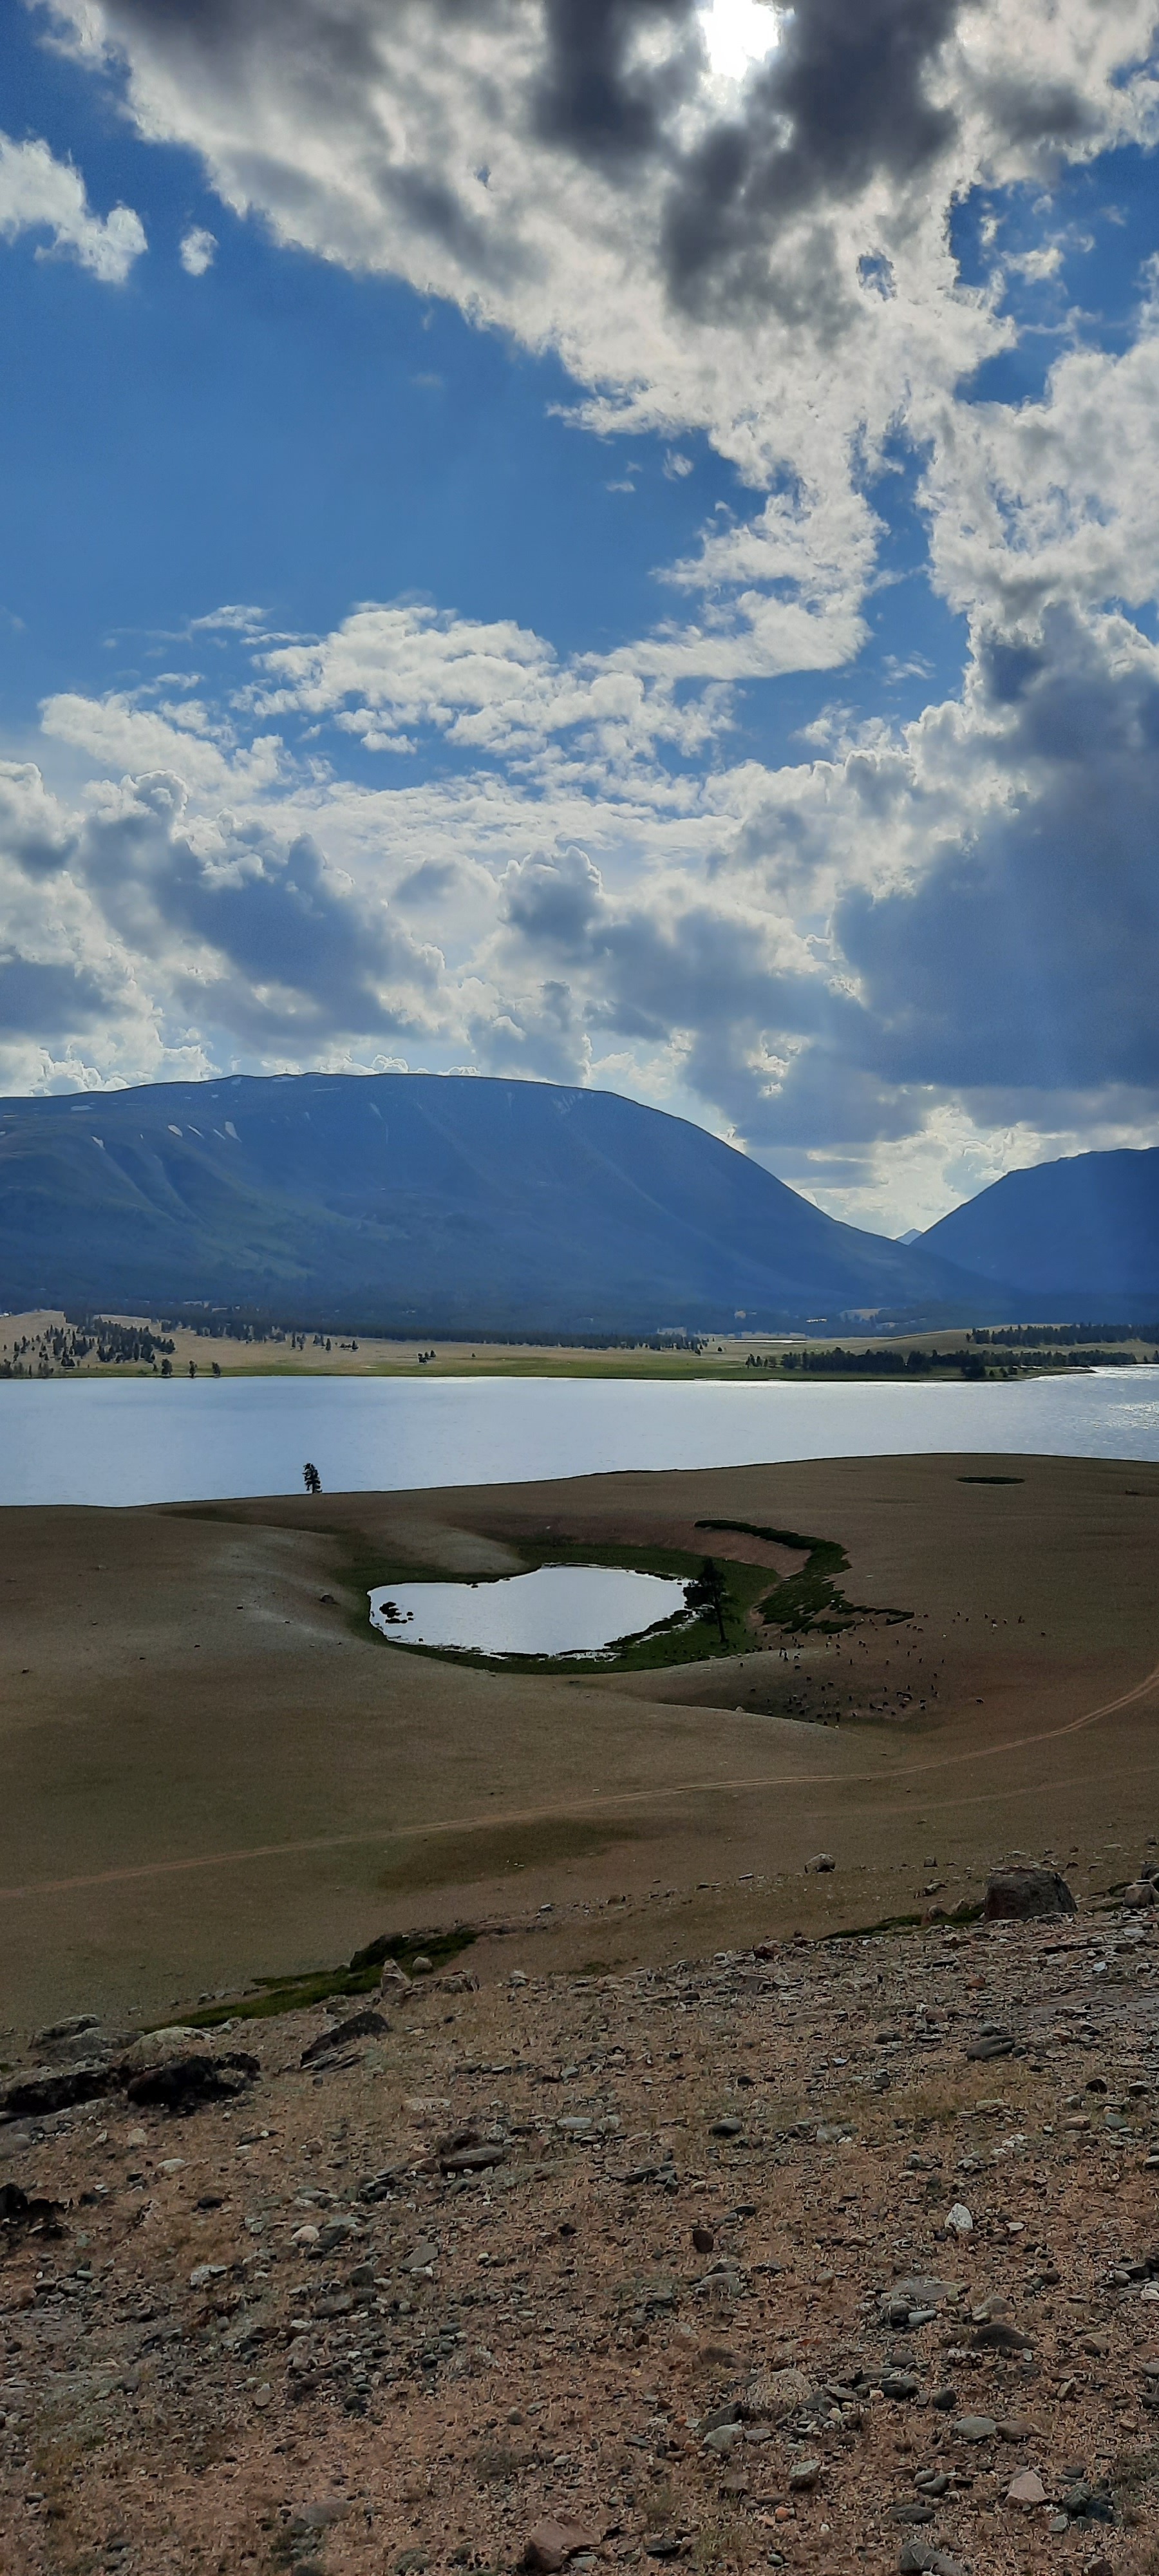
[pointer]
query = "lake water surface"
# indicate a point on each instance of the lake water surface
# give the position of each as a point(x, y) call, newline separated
point(556, 1610)
point(153, 1441)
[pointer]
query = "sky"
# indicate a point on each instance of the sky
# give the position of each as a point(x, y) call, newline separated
point(608, 541)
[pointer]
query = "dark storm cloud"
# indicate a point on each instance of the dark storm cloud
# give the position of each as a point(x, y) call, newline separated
point(1022, 964)
point(48, 1001)
point(34, 832)
point(294, 941)
point(841, 100)
point(1029, 955)
point(596, 97)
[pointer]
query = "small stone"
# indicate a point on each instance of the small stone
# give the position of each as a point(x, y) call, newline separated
point(820, 1862)
point(976, 2428)
point(1058, 2524)
point(360, 2025)
point(552, 2542)
point(900, 2384)
point(320, 2516)
point(997, 2336)
point(726, 2128)
point(472, 2159)
point(422, 1966)
point(959, 2221)
point(803, 2476)
point(1026, 2489)
point(703, 2239)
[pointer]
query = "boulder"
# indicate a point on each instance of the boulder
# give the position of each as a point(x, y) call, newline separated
point(44, 2089)
point(181, 2083)
point(1141, 1892)
point(1023, 1895)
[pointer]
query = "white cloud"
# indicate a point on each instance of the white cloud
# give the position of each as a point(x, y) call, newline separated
point(891, 965)
point(40, 194)
point(198, 251)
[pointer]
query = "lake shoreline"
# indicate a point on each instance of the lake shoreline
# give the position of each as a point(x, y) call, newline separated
point(139, 1442)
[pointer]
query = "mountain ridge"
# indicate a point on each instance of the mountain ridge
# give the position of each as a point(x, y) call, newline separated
point(1076, 1236)
point(434, 1202)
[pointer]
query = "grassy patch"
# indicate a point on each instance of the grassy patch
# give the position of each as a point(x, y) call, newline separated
point(810, 1599)
point(906, 1923)
point(269, 1996)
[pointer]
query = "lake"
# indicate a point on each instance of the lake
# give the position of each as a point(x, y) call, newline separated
point(152, 1441)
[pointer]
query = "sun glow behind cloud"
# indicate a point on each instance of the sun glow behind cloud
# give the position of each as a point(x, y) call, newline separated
point(737, 34)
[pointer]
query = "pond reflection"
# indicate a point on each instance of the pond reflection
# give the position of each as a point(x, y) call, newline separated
point(557, 1610)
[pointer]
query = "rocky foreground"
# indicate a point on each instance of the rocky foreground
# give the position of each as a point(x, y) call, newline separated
point(841, 2256)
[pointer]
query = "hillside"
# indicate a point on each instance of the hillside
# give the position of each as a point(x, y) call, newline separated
point(422, 1202)
point(1079, 1237)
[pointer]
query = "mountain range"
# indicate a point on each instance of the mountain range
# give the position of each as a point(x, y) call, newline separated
point(427, 1203)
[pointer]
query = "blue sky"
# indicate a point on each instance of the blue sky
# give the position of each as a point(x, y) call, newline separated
point(640, 526)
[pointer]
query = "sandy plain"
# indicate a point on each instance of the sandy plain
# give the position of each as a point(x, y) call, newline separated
point(215, 1771)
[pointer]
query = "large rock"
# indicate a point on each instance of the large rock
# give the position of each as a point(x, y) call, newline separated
point(41, 2090)
point(182, 2083)
point(1022, 1895)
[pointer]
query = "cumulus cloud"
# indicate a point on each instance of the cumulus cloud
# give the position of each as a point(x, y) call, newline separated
point(42, 195)
point(922, 947)
point(256, 931)
point(198, 251)
point(570, 170)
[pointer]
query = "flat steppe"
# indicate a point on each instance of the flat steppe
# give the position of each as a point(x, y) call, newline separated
point(214, 1771)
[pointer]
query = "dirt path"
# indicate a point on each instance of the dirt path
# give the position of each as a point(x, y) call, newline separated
point(657, 1795)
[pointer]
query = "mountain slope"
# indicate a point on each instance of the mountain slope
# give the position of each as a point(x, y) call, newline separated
point(421, 1202)
point(1080, 1236)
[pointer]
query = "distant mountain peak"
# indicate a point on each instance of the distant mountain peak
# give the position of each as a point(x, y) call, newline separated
point(1075, 1237)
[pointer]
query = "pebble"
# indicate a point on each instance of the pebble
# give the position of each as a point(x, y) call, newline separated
point(803, 2476)
point(959, 2221)
point(976, 2428)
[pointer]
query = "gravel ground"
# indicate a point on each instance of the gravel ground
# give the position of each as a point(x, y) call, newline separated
point(806, 2255)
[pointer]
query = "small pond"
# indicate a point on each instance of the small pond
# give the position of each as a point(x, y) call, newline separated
point(557, 1610)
